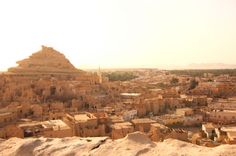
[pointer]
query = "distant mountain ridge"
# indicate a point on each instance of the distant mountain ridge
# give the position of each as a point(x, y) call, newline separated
point(172, 67)
point(211, 66)
point(200, 66)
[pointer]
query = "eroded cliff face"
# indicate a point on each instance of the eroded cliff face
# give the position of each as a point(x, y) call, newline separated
point(132, 145)
point(47, 60)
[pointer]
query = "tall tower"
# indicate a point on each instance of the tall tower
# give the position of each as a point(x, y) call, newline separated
point(99, 73)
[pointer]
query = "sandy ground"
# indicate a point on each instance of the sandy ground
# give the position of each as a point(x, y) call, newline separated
point(134, 144)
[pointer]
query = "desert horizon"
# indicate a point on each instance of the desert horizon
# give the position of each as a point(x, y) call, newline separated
point(193, 66)
point(121, 34)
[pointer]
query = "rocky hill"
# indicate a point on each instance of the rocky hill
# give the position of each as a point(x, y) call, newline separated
point(47, 60)
point(132, 145)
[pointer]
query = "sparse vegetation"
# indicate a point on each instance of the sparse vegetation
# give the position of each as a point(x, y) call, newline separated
point(120, 76)
point(174, 81)
point(200, 73)
point(193, 84)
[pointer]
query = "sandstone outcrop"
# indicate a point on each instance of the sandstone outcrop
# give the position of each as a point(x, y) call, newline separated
point(132, 145)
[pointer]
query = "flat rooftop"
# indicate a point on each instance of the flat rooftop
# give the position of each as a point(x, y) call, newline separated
point(159, 126)
point(50, 124)
point(83, 117)
point(156, 90)
point(116, 119)
point(230, 111)
point(122, 125)
point(209, 125)
point(229, 129)
point(130, 94)
point(184, 109)
point(169, 116)
point(55, 125)
point(143, 120)
point(5, 114)
point(30, 124)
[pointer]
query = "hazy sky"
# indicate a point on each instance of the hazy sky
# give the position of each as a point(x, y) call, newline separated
point(121, 33)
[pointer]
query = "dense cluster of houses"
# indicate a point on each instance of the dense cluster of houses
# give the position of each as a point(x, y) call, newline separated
point(88, 105)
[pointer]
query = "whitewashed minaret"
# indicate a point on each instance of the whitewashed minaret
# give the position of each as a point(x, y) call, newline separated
point(99, 73)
